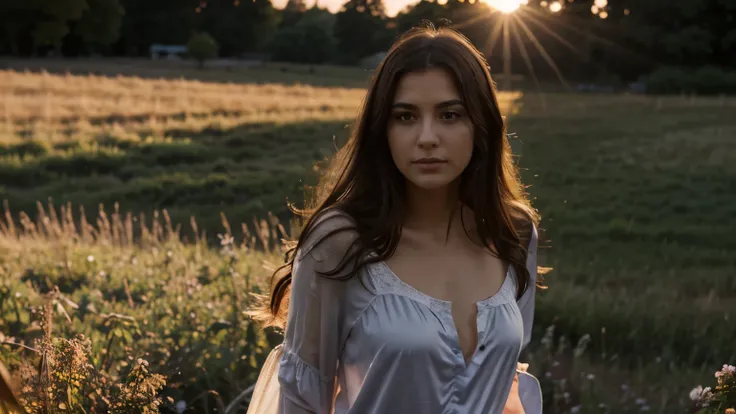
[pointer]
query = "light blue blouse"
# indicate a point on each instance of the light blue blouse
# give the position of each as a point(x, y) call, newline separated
point(383, 347)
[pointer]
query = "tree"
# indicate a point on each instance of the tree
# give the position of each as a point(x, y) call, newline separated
point(100, 23)
point(414, 14)
point(54, 18)
point(292, 13)
point(201, 47)
point(309, 41)
point(239, 26)
point(32, 23)
point(162, 21)
point(362, 29)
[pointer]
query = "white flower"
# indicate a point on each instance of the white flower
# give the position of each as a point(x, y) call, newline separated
point(180, 406)
point(641, 401)
point(696, 393)
point(575, 409)
point(591, 377)
point(644, 408)
point(90, 258)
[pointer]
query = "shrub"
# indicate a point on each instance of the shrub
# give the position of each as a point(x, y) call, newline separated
point(201, 47)
point(707, 80)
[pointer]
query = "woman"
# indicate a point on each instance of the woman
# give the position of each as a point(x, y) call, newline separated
point(411, 288)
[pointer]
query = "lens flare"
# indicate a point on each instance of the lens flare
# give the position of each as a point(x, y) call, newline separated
point(506, 6)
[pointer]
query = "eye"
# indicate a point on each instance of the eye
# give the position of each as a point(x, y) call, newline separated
point(404, 116)
point(450, 115)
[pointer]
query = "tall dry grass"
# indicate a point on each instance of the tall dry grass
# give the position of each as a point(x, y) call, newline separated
point(99, 317)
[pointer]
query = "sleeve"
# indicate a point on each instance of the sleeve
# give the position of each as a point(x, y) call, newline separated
point(526, 302)
point(313, 336)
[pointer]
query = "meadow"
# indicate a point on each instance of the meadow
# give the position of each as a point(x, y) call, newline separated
point(143, 206)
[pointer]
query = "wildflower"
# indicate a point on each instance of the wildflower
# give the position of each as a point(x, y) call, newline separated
point(180, 406)
point(641, 401)
point(575, 409)
point(225, 240)
point(644, 408)
point(696, 393)
point(701, 395)
point(726, 372)
point(590, 377)
point(90, 258)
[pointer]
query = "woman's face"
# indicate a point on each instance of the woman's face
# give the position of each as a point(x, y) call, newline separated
point(429, 132)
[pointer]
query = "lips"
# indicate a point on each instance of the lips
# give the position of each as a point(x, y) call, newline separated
point(429, 161)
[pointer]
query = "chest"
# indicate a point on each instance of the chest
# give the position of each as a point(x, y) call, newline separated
point(403, 325)
point(461, 279)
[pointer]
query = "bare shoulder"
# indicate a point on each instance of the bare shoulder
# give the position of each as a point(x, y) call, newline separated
point(332, 235)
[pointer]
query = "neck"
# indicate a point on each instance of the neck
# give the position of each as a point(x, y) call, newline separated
point(431, 211)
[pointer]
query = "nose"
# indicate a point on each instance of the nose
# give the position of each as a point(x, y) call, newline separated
point(428, 137)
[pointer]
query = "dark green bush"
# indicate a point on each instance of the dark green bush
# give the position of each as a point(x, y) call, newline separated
point(707, 80)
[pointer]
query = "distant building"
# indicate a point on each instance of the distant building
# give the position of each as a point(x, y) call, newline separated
point(170, 52)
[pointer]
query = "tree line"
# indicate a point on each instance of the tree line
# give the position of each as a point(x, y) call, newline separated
point(583, 39)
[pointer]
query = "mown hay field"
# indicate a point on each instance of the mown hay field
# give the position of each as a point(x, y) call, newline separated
point(637, 194)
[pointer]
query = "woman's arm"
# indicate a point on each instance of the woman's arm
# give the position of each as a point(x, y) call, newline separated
point(314, 329)
point(526, 303)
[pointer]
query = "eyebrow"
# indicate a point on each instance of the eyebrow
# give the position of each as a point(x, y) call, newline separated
point(440, 105)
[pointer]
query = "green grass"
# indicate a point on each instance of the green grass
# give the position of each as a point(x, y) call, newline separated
point(637, 195)
point(243, 171)
point(637, 203)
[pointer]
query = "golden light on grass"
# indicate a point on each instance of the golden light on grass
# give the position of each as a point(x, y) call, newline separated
point(47, 105)
point(507, 6)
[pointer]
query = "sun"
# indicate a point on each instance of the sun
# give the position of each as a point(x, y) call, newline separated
point(506, 6)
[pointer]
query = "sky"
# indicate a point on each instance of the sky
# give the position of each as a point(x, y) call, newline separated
point(393, 7)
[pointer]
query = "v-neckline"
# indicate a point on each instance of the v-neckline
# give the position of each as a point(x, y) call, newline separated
point(446, 307)
point(447, 304)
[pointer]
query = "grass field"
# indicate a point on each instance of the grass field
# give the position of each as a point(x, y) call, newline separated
point(637, 194)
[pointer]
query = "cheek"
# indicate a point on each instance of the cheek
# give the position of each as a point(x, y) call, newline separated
point(399, 146)
point(462, 148)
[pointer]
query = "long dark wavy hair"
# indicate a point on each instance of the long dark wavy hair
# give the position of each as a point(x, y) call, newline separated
point(364, 182)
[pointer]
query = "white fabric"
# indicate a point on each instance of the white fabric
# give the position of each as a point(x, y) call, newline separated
point(373, 344)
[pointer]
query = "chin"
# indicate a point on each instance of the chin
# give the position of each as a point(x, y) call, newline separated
point(431, 183)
